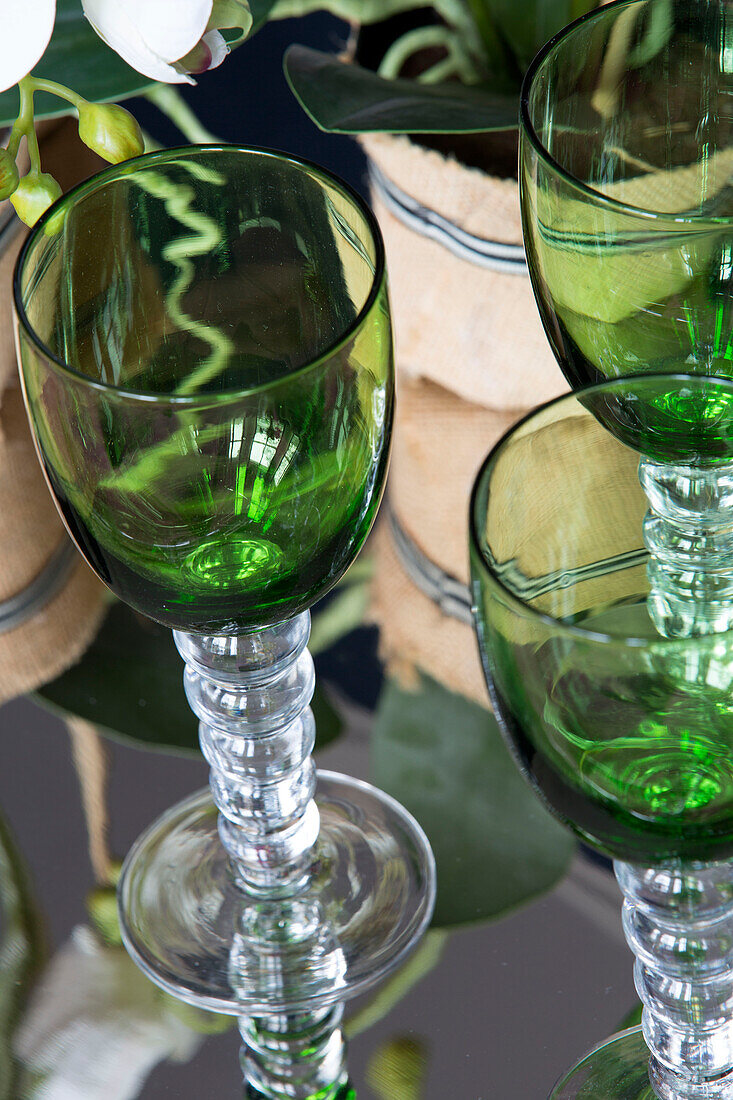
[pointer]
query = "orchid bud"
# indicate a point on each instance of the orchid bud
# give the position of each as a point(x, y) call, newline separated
point(110, 131)
point(9, 175)
point(102, 908)
point(33, 196)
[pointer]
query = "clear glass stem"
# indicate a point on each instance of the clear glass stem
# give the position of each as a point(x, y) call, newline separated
point(689, 534)
point(296, 1056)
point(252, 694)
point(678, 920)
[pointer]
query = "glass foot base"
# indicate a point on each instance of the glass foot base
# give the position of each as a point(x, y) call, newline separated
point(617, 1069)
point(200, 937)
point(620, 1069)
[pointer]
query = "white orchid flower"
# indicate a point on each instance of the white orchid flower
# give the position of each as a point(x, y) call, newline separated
point(96, 1027)
point(167, 40)
point(26, 30)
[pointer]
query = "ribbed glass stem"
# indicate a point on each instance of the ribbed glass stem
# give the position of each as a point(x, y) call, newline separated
point(252, 694)
point(689, 534)
point(678, 921)
point(296, 1056)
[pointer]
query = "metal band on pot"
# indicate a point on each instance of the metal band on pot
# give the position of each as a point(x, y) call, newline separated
point(42, 589)
point(507, 258)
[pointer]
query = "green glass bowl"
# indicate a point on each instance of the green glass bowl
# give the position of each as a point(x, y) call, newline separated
point(626, 735)
point(212, 394)
point(626, 156)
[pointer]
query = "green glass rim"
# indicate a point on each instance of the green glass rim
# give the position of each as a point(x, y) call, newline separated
point(528, 131)
point(476, 541)
point(127, 167)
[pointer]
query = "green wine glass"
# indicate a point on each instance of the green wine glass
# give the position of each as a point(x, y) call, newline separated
point(625, 734)
point(626, 163)
point(205, 344)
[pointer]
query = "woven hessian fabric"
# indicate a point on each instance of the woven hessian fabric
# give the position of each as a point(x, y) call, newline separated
point(473, 330)
point(41, 648)
point(472, 358)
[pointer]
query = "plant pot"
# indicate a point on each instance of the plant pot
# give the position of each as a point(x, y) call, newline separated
point(50, 602)
point(472, 358)
point(464, 312)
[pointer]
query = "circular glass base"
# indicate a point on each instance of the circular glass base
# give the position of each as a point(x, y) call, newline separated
point(200, 937)
point(617, 1069)
point(621, 1069)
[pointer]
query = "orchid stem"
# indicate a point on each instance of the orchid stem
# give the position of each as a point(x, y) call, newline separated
point(151, 145)
point(40, 85)
point(403, 48)
point(171, 103)
point(25, 124)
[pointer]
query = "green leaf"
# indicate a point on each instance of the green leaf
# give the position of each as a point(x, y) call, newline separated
point(358, 12)
point(261, 11)
point(77, 57)
point(498, 57)
point(525, 25)
point(347, 99)
point(443, 758)
point(129, 683)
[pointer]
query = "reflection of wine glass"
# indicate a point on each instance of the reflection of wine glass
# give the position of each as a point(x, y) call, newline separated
point(205, 344)
point(626, 168)
point(627, 735)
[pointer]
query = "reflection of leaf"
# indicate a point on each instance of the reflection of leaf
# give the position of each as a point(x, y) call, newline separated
point(443, 758)
point(608, 266)
point(631, 1019)
point(618, 1067)
point(343, 613)
point(390, 992)
point(21, 954)
point(129, 683)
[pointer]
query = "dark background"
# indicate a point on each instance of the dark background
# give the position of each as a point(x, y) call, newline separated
point(247, 100)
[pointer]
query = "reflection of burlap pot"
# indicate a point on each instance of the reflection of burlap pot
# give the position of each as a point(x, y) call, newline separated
point(50, 603)
point(471, 357)
point(420, 599)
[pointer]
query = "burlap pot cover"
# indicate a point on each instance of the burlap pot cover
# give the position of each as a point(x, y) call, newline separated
point(463, 309)
point(50, 602)
point(471, 358)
